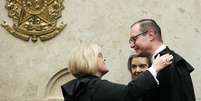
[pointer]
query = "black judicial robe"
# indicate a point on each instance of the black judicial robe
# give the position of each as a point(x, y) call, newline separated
point(92, 88)
point(175, 81)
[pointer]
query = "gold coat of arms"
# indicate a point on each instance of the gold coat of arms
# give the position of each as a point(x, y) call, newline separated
point(34, 19)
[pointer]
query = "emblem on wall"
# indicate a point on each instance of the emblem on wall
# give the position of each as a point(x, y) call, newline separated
point(34, 19)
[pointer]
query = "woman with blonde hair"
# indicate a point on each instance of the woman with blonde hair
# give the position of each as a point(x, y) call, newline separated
point(87, 64)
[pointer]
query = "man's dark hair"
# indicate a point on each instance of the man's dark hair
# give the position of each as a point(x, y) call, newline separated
point(146, 24)
point(135, 56)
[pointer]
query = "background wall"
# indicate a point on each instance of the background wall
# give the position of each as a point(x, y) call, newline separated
point(34, 71)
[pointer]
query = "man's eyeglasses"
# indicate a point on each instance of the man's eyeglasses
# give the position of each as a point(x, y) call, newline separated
point(134, 38)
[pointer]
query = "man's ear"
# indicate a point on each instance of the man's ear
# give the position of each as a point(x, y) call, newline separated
point(151, 35)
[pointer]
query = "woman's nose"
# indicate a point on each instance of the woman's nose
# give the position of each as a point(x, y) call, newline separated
point(138, 69)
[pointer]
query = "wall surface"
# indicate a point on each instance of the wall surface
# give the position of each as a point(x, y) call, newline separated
point(34, 71)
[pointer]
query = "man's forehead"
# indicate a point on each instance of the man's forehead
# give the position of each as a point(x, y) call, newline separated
point(135, 29)
point(136, 26)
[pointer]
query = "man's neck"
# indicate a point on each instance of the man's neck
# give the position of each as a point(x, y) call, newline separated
point(155, 48)
point(160, 49)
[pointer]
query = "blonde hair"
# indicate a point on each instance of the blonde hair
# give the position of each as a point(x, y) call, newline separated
point(83, 60)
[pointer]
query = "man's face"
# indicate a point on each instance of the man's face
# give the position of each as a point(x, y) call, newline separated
point(138, 40)
point(138, 66)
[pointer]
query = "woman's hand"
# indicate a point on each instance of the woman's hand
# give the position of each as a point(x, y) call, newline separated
point(162, 61)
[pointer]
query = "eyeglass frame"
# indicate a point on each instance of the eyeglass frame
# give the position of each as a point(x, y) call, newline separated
point(134, 38)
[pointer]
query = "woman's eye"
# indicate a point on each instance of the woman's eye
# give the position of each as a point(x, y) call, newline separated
point(133, 66)
point(143, 66)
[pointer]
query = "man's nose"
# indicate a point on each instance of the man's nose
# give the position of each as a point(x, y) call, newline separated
point(132, 45)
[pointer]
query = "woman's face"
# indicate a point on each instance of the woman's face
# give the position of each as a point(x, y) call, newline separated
point(138, 66)
point(102, 69)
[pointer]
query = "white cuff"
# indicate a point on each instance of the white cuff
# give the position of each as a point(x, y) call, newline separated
point(154, 73)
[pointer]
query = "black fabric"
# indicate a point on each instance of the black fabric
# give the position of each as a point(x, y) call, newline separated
point(103, 90)
point(78, 87)
point(151, 96)
point(175, 81)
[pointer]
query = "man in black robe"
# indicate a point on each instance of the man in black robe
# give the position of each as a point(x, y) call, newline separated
point(175, 82)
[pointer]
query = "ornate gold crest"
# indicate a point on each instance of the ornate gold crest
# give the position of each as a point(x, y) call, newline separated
point(34, 18)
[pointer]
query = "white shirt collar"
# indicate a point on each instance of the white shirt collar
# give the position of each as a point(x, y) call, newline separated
point(161, 48)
